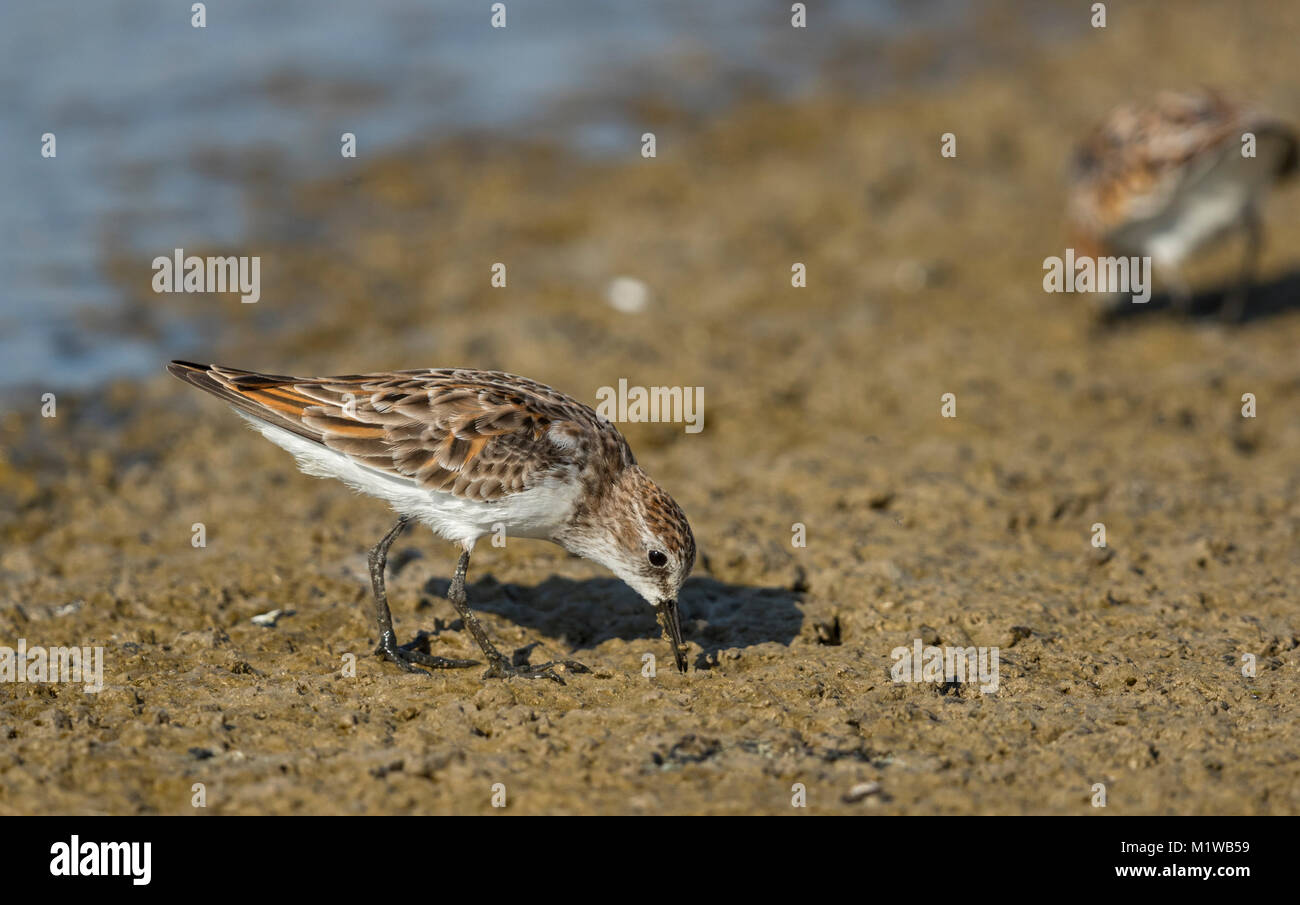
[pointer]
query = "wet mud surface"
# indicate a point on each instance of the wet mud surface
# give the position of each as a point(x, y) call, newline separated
point(1120, 665)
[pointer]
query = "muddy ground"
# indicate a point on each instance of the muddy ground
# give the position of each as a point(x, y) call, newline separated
point(1120, 666)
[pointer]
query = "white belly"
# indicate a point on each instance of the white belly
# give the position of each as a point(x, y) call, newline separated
point(537, 512)
point(1210, 204)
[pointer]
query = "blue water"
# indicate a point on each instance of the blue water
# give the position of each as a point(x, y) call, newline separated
point(155, 119)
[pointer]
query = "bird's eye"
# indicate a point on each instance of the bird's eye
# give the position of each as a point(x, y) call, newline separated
point(658, 558)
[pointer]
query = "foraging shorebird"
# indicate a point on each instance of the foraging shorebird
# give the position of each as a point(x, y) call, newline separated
point(1170, 177)
point(466, 452)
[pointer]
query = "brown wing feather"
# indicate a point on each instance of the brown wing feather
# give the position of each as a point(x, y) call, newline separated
point(206, 378)
point(477, 434)
point(1139, 156)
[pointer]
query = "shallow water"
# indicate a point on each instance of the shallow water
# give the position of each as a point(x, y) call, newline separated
point(159, 125)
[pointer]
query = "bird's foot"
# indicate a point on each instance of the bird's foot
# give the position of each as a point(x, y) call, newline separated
point(519, 667)
point(414, 654)
point(1233, 309)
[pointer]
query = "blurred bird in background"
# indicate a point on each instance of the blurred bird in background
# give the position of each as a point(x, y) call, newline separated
point(1168, 178)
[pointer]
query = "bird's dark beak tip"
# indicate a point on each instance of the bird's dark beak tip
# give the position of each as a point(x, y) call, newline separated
point(670, 622)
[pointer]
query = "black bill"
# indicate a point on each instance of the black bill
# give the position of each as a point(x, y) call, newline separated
point(671, 624)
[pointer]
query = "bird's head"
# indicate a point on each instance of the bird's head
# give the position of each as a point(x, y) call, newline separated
point(641, 535)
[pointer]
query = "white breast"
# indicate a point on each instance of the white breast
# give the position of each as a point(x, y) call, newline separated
point(1210, 203)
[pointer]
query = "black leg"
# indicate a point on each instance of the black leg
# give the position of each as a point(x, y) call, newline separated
point(1234, 303)
point(406, 656)
point(1110, 306)
point(498, 666)
point(1180, 293)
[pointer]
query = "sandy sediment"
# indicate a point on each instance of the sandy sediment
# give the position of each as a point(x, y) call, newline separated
point(1120, 666)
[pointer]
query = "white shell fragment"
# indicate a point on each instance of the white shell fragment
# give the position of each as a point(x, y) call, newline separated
point(268, 620)
point(628, 295)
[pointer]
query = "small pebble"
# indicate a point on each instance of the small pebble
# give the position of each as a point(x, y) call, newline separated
point(268, 620)
point(628, 295)
point(861, 791)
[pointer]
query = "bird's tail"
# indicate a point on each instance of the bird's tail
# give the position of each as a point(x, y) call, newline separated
point(267, 397)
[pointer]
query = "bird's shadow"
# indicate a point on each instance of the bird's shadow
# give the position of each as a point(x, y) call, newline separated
point(580, 614)
point(1266, 299)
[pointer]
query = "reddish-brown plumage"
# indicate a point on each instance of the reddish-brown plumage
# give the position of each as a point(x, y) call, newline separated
point(472, 451)
point(472, 433)
point(1138, 158)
